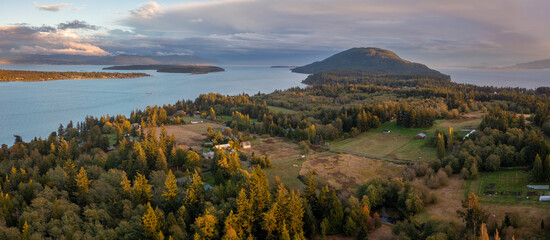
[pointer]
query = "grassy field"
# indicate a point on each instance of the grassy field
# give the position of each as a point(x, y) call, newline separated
point(277, 148)
point(530, 212)
point(280, 109)
point(190, 135)
point(346, 172)
point(506, 187)
point(400, 142)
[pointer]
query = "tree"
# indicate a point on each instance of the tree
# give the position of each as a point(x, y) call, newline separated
point(212, 114)
point(205, 225)
point(150, 222)
point(141, 190)
point(440, 146)
point(537, 171)
point(161, 163)
point(473, 214)
point(450, 139)
point(484, 234)
point(170, 187)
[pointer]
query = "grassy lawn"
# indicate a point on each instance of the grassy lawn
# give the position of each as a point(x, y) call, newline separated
point(112, 139)
point(506, 188)
point(400, 142)
point(280, 109)
point(288, 172)
point(188, 119)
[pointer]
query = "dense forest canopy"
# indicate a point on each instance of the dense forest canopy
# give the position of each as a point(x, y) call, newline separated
point(76, 184)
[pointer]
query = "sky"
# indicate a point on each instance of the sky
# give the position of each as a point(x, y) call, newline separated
point(438, 33)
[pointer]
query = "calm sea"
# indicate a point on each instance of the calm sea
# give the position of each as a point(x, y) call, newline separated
point(32, 109)
point(36, 109)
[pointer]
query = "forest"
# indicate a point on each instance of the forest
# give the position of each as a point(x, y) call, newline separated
point(35, 76)
point(75, 184)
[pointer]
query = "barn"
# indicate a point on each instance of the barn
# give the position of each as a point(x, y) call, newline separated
point(420, 136)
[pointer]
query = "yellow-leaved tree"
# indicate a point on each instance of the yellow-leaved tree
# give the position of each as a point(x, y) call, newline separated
point(170, 187)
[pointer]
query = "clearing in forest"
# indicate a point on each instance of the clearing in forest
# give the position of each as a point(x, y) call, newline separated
point(400, 142)
point(346, 172)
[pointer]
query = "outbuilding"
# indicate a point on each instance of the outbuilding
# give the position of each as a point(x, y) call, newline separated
point(420, 136)
point(246, 145)
point(544, 198)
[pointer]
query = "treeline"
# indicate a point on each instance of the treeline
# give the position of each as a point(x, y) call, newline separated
point(33, 76)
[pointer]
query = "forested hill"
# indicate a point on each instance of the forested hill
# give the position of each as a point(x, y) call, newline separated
point(193, 69)
point(371, 60)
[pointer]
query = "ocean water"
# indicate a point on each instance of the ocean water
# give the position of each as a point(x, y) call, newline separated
point(32, 109)
point(531, 79)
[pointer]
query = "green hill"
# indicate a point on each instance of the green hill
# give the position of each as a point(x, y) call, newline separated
point(371, 60)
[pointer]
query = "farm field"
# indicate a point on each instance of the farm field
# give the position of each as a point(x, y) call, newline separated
point(346, 172)
point(449, 200)
point(281, 110)
point(277, 148)
point(400, 142)
point(190, 135)
point(506, 187)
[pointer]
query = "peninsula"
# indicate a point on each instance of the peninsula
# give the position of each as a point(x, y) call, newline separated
point(37, 76)
point(193, 69)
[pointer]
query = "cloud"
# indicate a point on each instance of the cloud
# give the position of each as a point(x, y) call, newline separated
point(76, 24)
point(147, 10)
point(46, 40)
point(53, 7)
point(427, 30)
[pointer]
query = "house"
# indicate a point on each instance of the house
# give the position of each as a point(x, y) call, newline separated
point(386, 131)
point(420, 136)
point(209, 155)
point(544, 199)
point(222, 146)
point(246, 145)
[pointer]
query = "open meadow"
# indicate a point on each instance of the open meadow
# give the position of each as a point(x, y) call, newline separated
point(400, 142)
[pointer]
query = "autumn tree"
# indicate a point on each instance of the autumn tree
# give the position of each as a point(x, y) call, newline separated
point(473, 215)
point(440, 146)
point(150, 222)
point(170, 192)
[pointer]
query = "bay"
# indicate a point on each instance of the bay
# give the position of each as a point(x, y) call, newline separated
point(34, 109)
point(528, 78)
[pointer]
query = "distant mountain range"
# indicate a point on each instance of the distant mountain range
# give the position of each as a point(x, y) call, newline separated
point(371, 60)
point(106, 60)
point(539, 64)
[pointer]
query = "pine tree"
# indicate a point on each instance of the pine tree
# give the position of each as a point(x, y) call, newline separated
point(161, 162)
point(440, 146)
point(25, 232)
point(170, 187)
point(82, 181)
point(141, 189)
point(150, 222)
point(537, 171)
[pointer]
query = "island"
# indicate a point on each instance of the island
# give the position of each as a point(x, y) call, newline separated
point(283, 66)
point(539, 64)
point(37, 76)
point(193, 69)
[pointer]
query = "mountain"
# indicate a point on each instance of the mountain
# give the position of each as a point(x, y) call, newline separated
point(372, 60)
point(539, 64)
point(105, 60)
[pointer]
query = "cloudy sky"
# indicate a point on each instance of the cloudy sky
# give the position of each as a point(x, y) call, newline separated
point(436, 32)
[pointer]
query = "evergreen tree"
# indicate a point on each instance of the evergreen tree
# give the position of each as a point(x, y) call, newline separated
point(440, 146)
point(150, 222)
point(170, 188)
point(538, 169)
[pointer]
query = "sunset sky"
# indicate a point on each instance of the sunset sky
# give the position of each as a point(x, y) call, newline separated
point(435, 32)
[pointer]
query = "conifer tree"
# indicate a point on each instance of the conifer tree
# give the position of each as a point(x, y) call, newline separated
point(150, 222)
point(440, 146)
point(537, 171)
point(170, 188)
